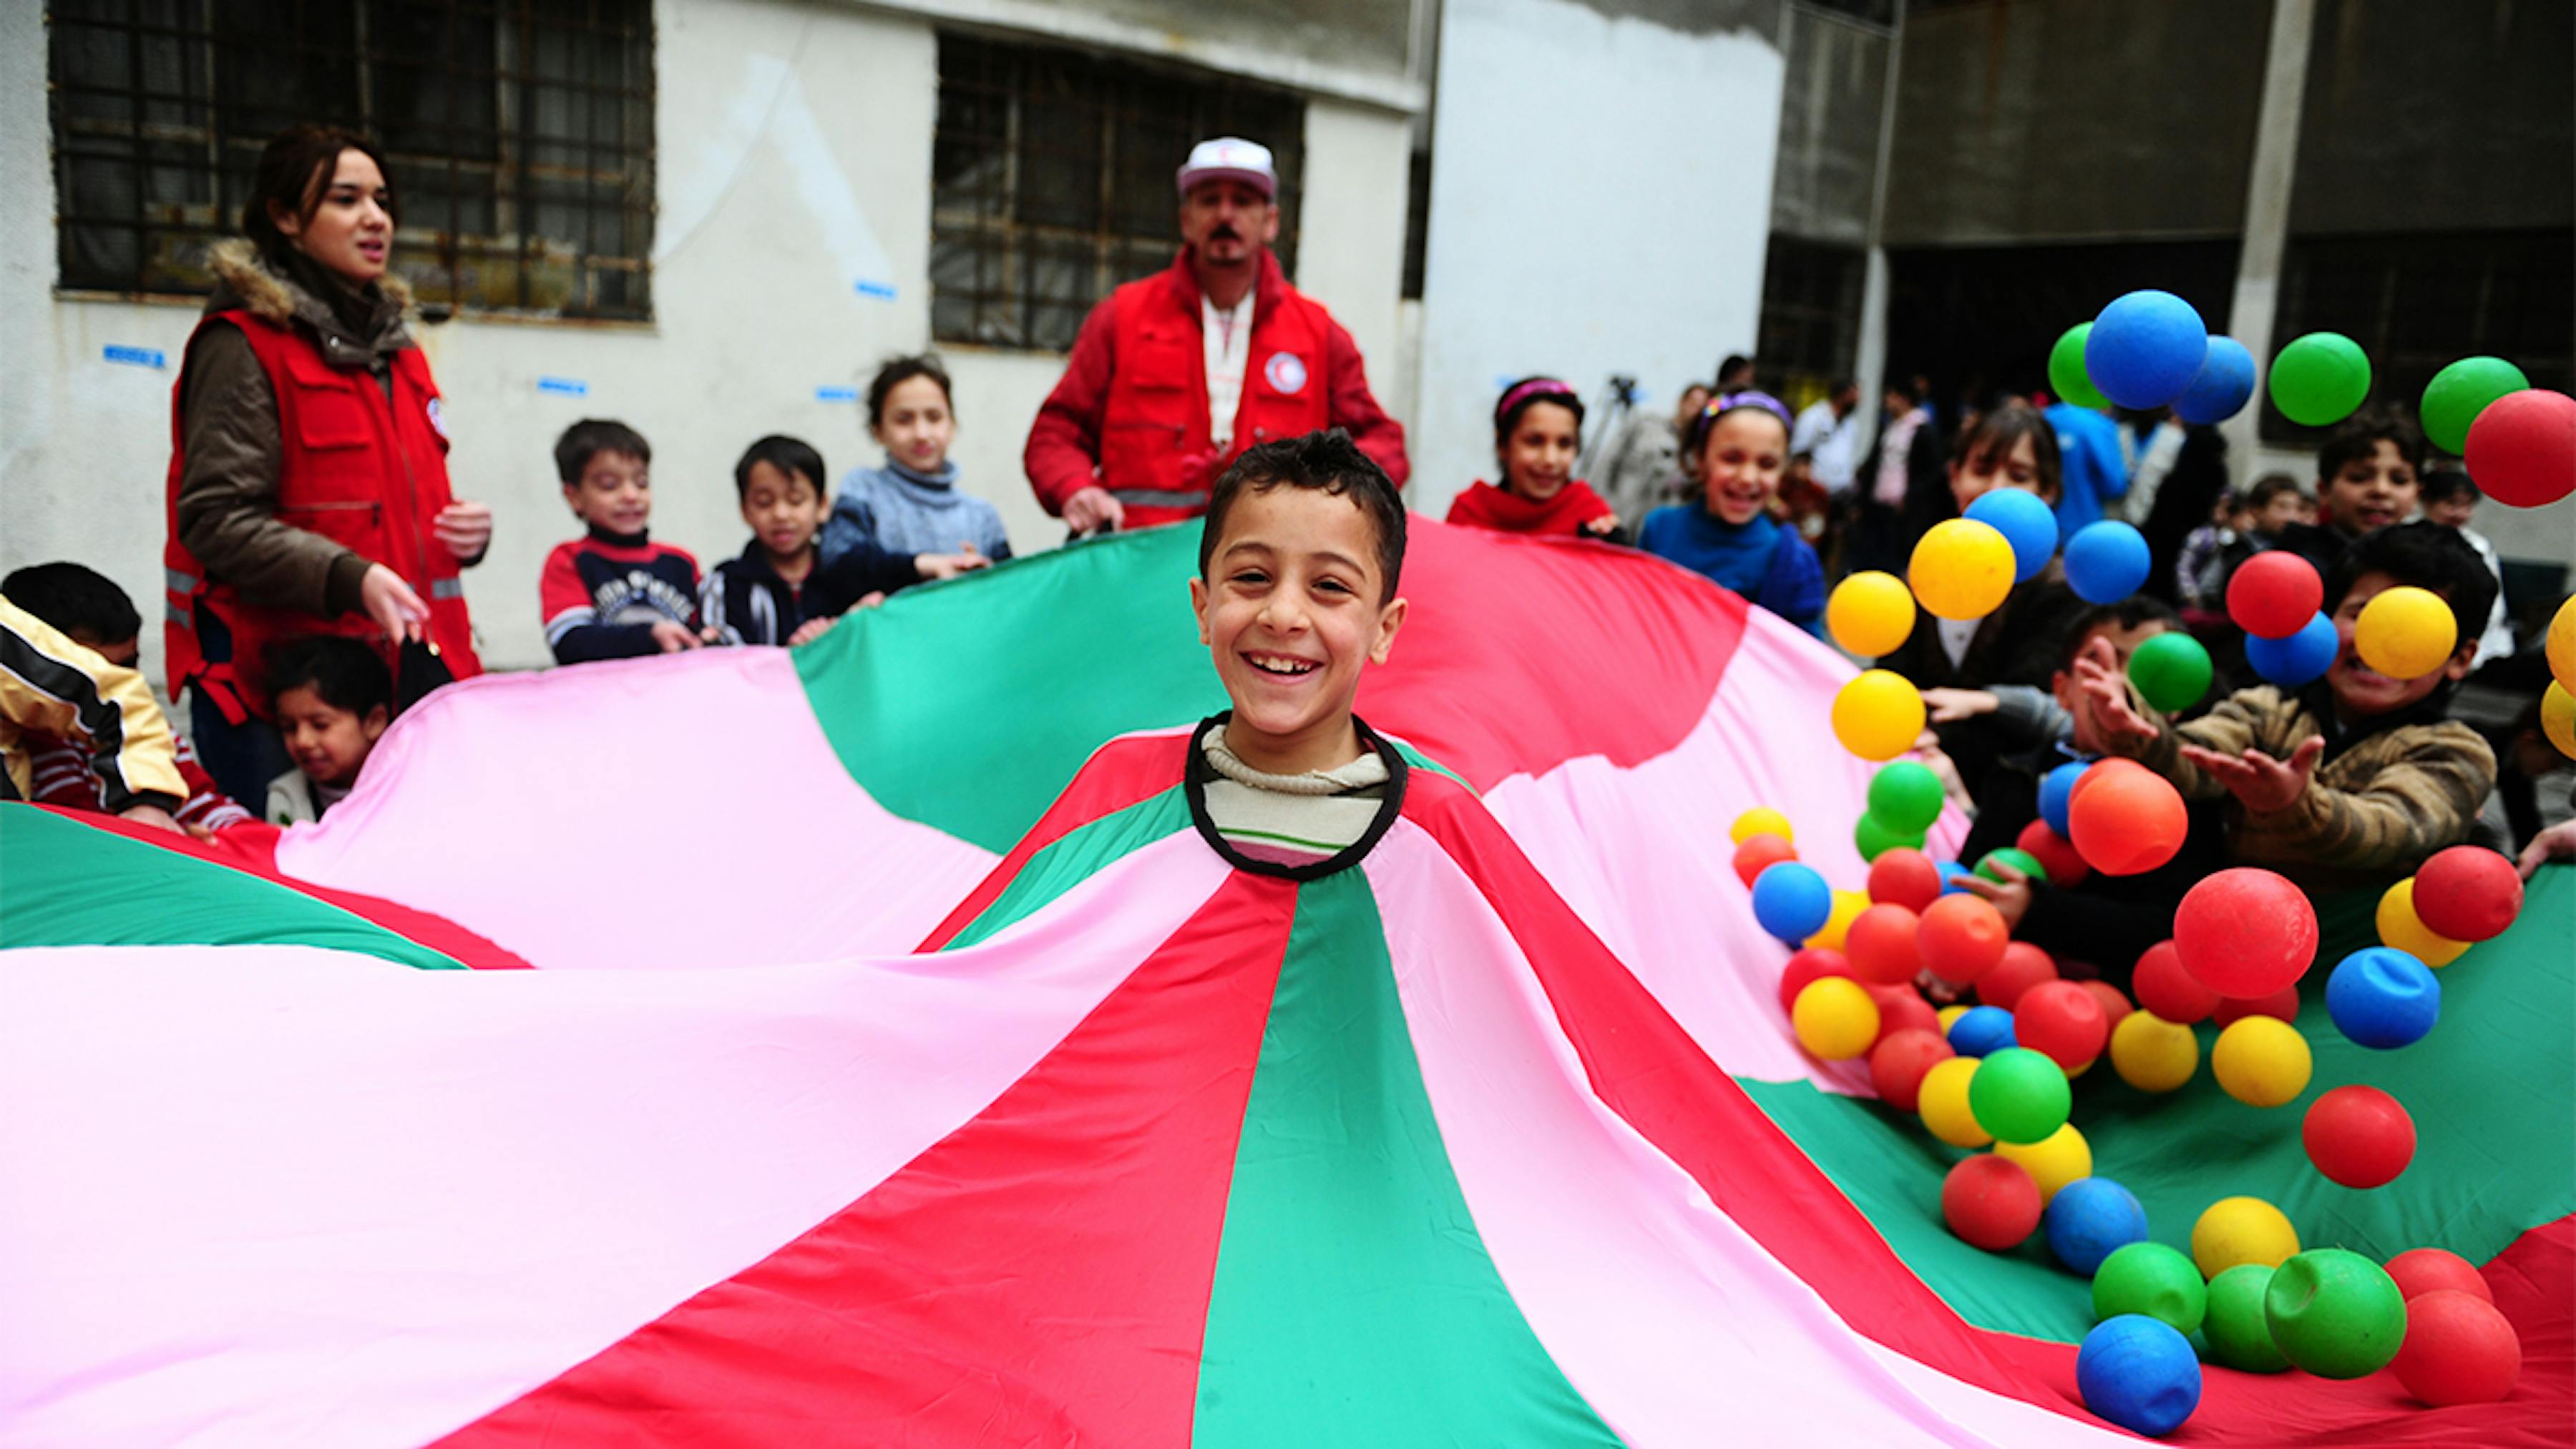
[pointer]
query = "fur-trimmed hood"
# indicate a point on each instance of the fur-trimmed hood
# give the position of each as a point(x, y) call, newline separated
point(244, 280)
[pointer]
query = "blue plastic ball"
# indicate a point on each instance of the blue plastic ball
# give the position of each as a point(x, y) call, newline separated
point(2026, 523)
point(2301, 658)
point(2139, 1373)
point(2057, 794)
point(1952, 872)
point(1791, 901)
point(2090, 1219)
point(2145, 349)
point(2224, 386)
point(1982, 1031)
point(2383, 999)
point(2106, 561)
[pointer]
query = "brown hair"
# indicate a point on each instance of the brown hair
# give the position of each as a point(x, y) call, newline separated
point(293, 173)
point(1991, 440)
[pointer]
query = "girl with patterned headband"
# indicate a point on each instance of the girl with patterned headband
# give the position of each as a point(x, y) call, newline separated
point(1738, 448)
point(1538, 429)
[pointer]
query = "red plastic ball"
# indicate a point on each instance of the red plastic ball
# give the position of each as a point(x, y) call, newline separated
point(1904, 876)
point(2056, 854)
point(2245, 932)
point(1990, 1202)
point(2467, 893)
point(2062, 1022)
point(1880, 943)
point(2359, 1136)
point(2023, 967)
point(2114, 1005)
point(2522, 448)
point(2426, 1270)
point(2127, 822)
point(2281, 1005)
point(1901, 1008)
point(1759, 853)
point(1806, 966)
point(1961, 938)
point(2274, 594)
point(2169, 991)
point(1898, 1063)
point(2458, 1350)
point(2106, 768)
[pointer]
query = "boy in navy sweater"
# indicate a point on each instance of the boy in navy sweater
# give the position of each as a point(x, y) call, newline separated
point(614, 593)
point(780, 591)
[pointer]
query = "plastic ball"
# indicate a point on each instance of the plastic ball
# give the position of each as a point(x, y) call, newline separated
point(2026, 523)
point(2066, 375)
point(2522, 449)
point(1759, 853)
point(2106, 561)
point(2319, 379)
point(2056, 855)
point(2145, 348)
point(1878, 715)
point(2238, 1335)
point(2056, 791)
point(2405, 632)
point(2382, 998)
point(1791, 901)
point(2335, 1314)
point(2402, 930)
point(1952, 872)
point(2022, 967)
point(2461, 391)
point(2359, 1136)
point(2115, 1006)
point(2171, 670)
point(2419, 1271)
point(2458, 1350)
point(1942, 1099)
point(2281, 1005)
point(1949, 1017)
point(1898, 1064)
point(2092, 1218)
point(1811, 964)
point(2060, 1158)
point(2153, 1054)
point(2062, 1022)
point(2125, 819)
point(2302, 658)
point(2561, 645)
point(2262, 1062)
point(2169, 991)
point(2238, 1230)
point(1835, 1019)
point(1846, 908)
point(1905, 795)
point(1874, 837)
point(1990, 1203)
point(2138, 1373)
point(1880, 943)
point(1962, 937)
point(2019, 1095)
point(2274, 594)
point(1961, 569)
point(2010, 857)
point(1900, 1008)
point(1761, 820)
point(2467, 893)
point(2244, 931)
point(2152, 1279)
point(2558, 718)
point(2223, 387)
point(1903, 876)
point(1981, 1031)
point(1870, 613)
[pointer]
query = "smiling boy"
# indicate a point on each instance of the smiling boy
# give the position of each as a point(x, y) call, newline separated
point(2368, 476)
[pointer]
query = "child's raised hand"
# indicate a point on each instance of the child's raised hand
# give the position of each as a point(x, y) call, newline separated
point(2263, 785)
point(1603, 526)
point(671, 636)
point(950, 565)
point(810, 630)
point(870, 599)
point(2099, 678)
point(2010, 896)
point(1948, 706)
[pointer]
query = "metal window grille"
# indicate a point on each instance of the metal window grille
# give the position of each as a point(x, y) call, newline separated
point(1810, 329)
point(1051, 181)
point(519, 134)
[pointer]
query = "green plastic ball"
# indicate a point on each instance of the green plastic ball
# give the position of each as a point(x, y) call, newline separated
point(2171, 670)
point(2335, 1313)
point(1873, 837)
point(2019, 1095)
point(2066, 375)
point(2235, 1328)
point(1905, 796)
point(2459, 392)
point(2319, 379)
point(2014, 856)
point(2152, 1279)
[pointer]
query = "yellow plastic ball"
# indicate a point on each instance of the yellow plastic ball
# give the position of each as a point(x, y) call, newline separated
point(2558, 718)
point(1878, 715)
point(2561, 647)
point(1961, 569)
point(2053, 1161)
point(1870, 614)
point(2401, 929)
point(1847, 906)
point(1949, 1016)
point(2240, 1230)
point(2405, 632)
point(1835, 1018)
point(2153, 1054)
point(2261, 1061)
point(1943, 1101)
point(1760, 820)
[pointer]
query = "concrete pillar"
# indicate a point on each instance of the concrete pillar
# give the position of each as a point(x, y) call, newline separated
point(1869, 360)
point(2267, 209)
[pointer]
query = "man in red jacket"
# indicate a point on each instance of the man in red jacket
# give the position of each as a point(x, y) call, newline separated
point(1177, 373)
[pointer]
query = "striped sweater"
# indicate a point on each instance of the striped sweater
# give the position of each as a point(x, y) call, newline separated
point(1290, 820)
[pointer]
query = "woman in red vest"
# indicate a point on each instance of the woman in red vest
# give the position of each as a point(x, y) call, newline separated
point(308, 464)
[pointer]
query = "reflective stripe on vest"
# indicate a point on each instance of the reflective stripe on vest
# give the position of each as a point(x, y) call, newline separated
point(184, 585)
point(1159, 498)
point(447, 588)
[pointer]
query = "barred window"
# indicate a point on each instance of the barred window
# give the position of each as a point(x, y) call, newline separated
point(1051, 181)
point(1810, 328)
point(519, 134)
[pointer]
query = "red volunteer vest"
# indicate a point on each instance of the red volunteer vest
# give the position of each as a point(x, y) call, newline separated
point(1155, 453)
point(363, 470)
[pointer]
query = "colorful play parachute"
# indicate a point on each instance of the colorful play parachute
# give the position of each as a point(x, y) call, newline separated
point(861, 1095)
